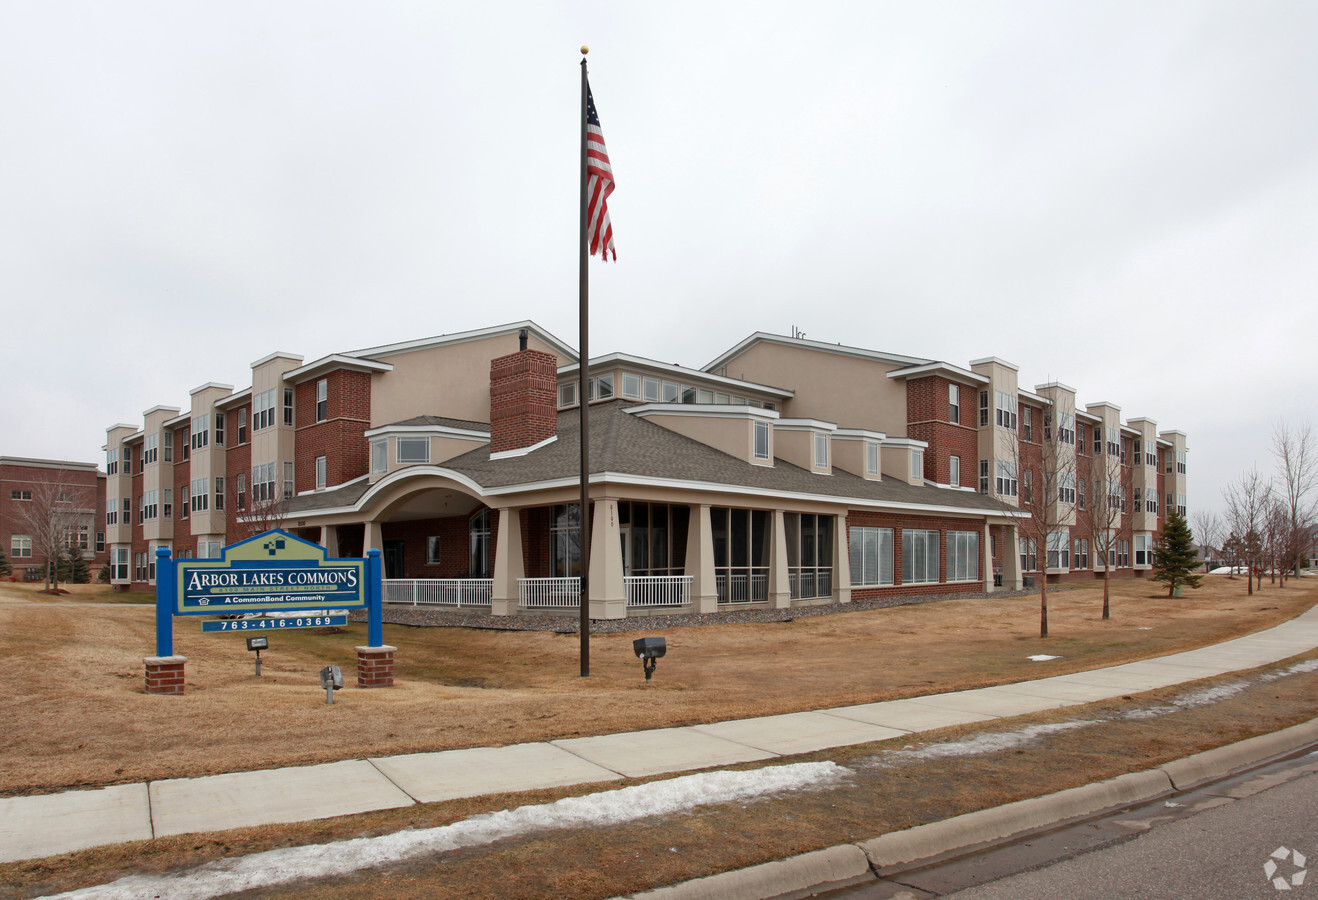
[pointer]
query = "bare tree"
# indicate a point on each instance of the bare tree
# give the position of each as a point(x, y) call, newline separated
point(1247, 500)
point(1208, 529)
point(1106, 523)
point(1047, 491)
point(248, 517)
point(1297, 485)
point(59, 509)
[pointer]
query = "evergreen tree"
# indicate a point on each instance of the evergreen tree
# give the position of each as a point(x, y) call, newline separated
point(5, 568)
point(1174, 559)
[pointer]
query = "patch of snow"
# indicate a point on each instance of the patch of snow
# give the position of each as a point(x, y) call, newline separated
point(1210, 695)
point(283, 866)
point(1041, 657)
point(1309, 665)
point(976, 746)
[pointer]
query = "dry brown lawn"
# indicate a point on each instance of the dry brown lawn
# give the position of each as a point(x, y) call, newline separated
point(76, 713)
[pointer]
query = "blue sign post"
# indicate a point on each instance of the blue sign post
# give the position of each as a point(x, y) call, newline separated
point(271, 572)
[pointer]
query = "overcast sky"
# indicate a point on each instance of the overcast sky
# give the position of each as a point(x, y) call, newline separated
point(1119, 196)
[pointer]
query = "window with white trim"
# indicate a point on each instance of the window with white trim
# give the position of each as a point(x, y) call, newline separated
point(379, 456)
point(263, 410)
point(983, 408)
point(1027, 423)
point(871, 457)
point(917, 464)
point(1059, 549)
point(185, 444)
point(1181, 462)
point(631, 385)
point(20, 495)
point(321, 472)
point(20, 546)
point(150, 504)
point(1006, 410)
point(289, 489)
point(478, 544)
point(1066, 428)
point(963, 556)
point(168, 450)
point(1180, 504)
point(1027, 486)
point(150, 449)
point(242, 425)
point(1080, 493)
point(288, 406)
point(111, 462)
point(1081, 556)
point(761, 440)
point(200, 494)
point(1150, 501)
point(821, 450)
point(219, 492)
point(1113, 442)
point(1066, 487)
point(954, 471)
point(184, 502)
point(127, 516)
point(1143, 550)
point(263, 482)
point(567, 394)
point(653, 390)
point(1006, 484)
point(322, 400)
point(919, 556)
point(201, 432)
point(112, 511)
point(412, 450)
point(219, 429)
point(983, 476)
point(1029, 552)
point(954, 404)
point(240, 490)
point(433, 549)
point(870, 552)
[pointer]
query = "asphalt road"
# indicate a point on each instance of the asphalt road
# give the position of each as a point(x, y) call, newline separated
point(1213, 844)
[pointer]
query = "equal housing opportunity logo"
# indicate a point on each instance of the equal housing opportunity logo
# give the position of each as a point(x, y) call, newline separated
point(1281, 861)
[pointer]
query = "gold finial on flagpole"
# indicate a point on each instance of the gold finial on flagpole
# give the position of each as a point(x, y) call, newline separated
point(584, 49)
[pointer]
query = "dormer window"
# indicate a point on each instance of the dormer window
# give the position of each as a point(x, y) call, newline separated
point(762, 440)
point(871, 457)
point(917, 465)
point(821, 450)
point(412, 450)
point(379, 456)
point(567, 394)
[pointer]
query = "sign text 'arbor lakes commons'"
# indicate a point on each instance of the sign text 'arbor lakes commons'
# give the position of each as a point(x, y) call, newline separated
point(271, 573)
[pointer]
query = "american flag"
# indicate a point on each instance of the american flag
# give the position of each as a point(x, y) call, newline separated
point(599, 184)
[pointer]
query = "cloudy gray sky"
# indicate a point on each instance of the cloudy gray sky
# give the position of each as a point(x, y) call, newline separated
point(1117, 195)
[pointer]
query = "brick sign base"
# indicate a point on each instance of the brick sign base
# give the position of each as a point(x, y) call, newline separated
point(164, 674)
point(375, 667)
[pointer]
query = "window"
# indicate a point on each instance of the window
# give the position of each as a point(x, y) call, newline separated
point(219, 429)
point(1006, 410)
point(871, 457)
point(1080, 439)
point(1006, 478)
point(242, 425)
point(219, 492)
point(432, 550)
point(112, 511)
point(209, 549)
point(320, 473)
point(1081, 556)
point(379, 456)
point(1180, 462)
point(705, 396)
point(150, 449)
point(1066, 428)
point(1027, 487)
point(1113, 442)
point(652, 389)
point(288, 480)
point(185, 443)
point(20, 546)
point(200, 432)
point(870, 550)
point(412, 450)
point(127, 517)
point(322, 400)
point(821, 450)
point(1059, 550)
point(200, 494)
point(919, 556)
point(761, 440)
point(288, 406)
point(1123, 554)
point(962, 556)
point(100, 542)
point(151, 504)
point(1066, 487)
point(263, 482)
point(111, 462)
point(631, 385)
point(1080, 493)
point(567, 394)
point(1143, 550)
point(263, 410)
point(601, 387)
point(954, 404)
point(1180, 504)
point(478, 544)
point(809, 555)
point(565, 541)
point(1027, 423)
point(1029, 555)
point(983, 476)
point(128, 461)
point(20, 495)
point(983, 408)
point(954, 476)
point(139, 567)
point(1151, 501)
point(169, 446)
point(1098, 440)
point(240, 490)
point(917, 465)
point(1139, 456)
point(672, 391)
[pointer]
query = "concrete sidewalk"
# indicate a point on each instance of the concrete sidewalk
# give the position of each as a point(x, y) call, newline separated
point(50, 824)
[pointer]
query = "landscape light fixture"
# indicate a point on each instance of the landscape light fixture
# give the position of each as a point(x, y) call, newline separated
point(648, 650)
point(258, 644)
point(331, 679)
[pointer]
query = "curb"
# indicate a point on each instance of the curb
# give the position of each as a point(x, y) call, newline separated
point(854, 863)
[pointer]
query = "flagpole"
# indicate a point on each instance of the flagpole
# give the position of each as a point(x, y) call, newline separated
point(583, 360)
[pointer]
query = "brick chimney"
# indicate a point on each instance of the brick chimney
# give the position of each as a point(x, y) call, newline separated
point(523, 400)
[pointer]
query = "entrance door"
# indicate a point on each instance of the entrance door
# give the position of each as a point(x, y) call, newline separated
point(393, 559)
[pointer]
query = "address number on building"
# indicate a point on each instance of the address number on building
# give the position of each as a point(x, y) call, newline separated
point(268, 624)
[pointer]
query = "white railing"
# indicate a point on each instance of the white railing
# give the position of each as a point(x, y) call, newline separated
point(549, 593)
point(657, 590)
point(439, 591)
point(742, 587)
point(810, 582)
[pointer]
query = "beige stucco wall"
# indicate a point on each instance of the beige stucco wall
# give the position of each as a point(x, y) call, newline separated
point(451, 380)
point(731, 433)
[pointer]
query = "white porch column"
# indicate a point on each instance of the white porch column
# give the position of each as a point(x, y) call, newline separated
point(372, 537)
point(841, 561)
point(508, 567)
point(329, 539)
point(986, 557)
point(780, 587)
point(1011, 560)
point(608, 599)
point(700, 560)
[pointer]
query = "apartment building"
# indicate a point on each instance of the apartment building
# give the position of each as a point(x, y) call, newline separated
point(50, 503)
point(785, 472)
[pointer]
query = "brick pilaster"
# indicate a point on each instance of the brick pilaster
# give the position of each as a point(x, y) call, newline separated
point(164, 674)
point(375, 666)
